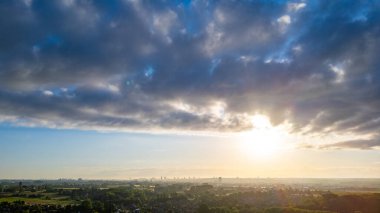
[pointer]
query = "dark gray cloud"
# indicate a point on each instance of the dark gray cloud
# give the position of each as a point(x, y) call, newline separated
point(191, 65)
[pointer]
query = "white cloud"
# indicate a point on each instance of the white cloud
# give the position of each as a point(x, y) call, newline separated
point(339, 72)
point(111, 87)
point(294, 7)
point(164, 22)
point(284, 20)
point(246, 59)
point(48, 93)
point(297, 49)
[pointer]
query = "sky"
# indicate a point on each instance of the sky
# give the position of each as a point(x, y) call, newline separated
point(122, 89)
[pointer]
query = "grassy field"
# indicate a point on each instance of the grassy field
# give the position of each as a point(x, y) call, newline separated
point(55, 201)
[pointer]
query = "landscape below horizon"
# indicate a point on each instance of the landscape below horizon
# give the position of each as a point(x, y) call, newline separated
point(206, 195)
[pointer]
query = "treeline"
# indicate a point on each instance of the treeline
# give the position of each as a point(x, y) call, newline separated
point(85, 206)
point(203, 198)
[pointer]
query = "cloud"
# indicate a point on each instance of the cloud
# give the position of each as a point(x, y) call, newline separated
point(296, 6)
point(354, 144)
point(47, 93)
point(128, 65)
point(284, 20)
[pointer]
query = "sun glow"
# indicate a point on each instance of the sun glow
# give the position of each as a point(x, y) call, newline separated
point(264, 140)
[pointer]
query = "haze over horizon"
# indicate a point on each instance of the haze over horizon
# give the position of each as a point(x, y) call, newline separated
point(126, 89)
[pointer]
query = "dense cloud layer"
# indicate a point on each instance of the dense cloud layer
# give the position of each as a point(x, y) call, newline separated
point(191, 65)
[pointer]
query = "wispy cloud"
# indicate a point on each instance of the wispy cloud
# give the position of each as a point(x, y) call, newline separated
point(354, 144)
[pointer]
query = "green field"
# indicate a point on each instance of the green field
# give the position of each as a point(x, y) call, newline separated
point(55, 201)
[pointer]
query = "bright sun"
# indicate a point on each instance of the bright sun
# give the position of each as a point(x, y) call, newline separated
point(263, 141)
